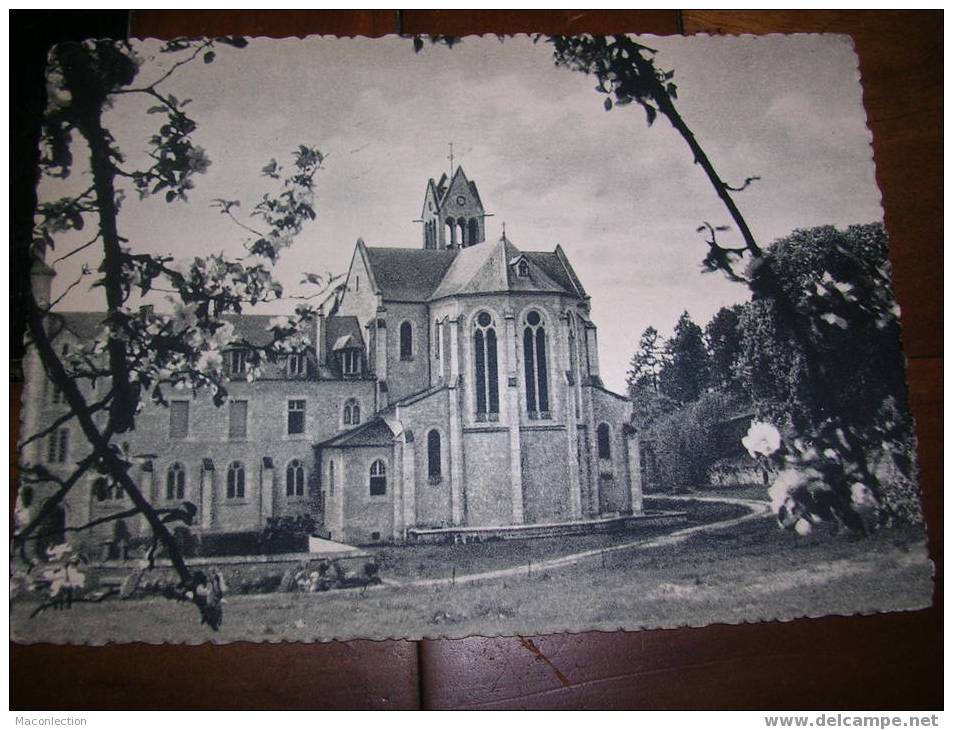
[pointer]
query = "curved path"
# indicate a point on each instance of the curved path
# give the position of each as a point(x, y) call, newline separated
point(757, 509)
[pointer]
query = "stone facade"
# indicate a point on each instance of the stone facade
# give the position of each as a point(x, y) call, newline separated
point(455, 384)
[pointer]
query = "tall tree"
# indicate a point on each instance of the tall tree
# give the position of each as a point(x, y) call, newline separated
point(723, 341)
point(684, 375)
point(140, 353)
point(648, 402)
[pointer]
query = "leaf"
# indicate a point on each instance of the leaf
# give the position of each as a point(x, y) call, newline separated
point(235, 41)
point(607, 104)
point(650, 113)
point(209, 56)
point(157, 110)
point(170, 196)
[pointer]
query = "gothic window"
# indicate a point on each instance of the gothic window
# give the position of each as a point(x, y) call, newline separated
point(178, 419)
point(175, 482)
point(436, 339)
point(433, 454)
point(238, 419)
point(352, 413)
point(535, 367)
point(602, 441)
point(235, 481)
point(406, 341)
point(378, 481)
point(486, 378)
point(451, 232)
point(295, 417)
point(294, 479)
point(331, 478)
point(473, 232)
point(462, 228)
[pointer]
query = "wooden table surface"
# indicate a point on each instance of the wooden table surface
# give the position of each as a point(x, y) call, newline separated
point(890, 661)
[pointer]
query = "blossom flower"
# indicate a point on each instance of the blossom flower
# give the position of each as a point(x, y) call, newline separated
point(762, 438)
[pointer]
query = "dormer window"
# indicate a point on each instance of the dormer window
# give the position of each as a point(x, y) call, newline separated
point(351, 362)
point(522, 269)
point(297, 364)
point(236, 362)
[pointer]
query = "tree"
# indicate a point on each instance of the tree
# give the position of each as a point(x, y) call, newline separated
point(139, 353)
point(626, 73)
point(723, 342)
point(648, 403)
point(685, 373)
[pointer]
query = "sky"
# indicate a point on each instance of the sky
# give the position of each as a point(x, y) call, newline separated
point(623, 199)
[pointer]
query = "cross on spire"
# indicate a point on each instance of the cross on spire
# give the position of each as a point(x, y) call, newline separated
point(450, 157)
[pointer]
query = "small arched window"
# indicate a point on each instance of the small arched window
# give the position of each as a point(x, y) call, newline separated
point(352, 413)
point(603, 442)
point(406, 341)
point(235, 481)
point(433, 454)
point(522, 269)
point(462, 227)
point(486, 376)
point(175, 482)
point(294, 479)
point(378, 480)
point(536, 371)
point(451, 232)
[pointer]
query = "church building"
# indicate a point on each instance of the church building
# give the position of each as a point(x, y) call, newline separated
point(450, 387)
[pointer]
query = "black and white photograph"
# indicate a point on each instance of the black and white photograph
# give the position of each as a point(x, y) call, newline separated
point(435, 337)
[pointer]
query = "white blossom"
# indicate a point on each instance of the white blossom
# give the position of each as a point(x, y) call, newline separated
point(762, 438)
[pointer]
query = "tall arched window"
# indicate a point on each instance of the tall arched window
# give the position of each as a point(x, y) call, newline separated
point(436, 339)
point(352, 413)
point(331, 478)
point(294, 479)
point(235, 481)
point(462, 228)
point(378, 481)
point(602, 441)
point(486, 380)
point(175, 482)
point(535, 368)
point(473, 231)
point(406, 341)
point(451, 232)
point(433, 454)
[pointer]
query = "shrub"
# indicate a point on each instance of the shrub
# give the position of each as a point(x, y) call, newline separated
point(686, 442)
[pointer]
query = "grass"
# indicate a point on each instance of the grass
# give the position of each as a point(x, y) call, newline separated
point(750, 572)
point(400, 562)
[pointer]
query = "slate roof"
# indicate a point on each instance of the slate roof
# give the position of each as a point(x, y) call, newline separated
point(490, 267)
point(82, 325)
point(408, 274)
point(373, 433)
point(339, 329)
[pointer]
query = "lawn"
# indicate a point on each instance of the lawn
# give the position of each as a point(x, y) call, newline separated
point(402, 562)
point(749, 572)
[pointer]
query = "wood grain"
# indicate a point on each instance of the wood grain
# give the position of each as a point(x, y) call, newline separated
point(886, 662)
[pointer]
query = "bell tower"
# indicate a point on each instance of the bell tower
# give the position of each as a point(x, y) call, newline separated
point(453, 215)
